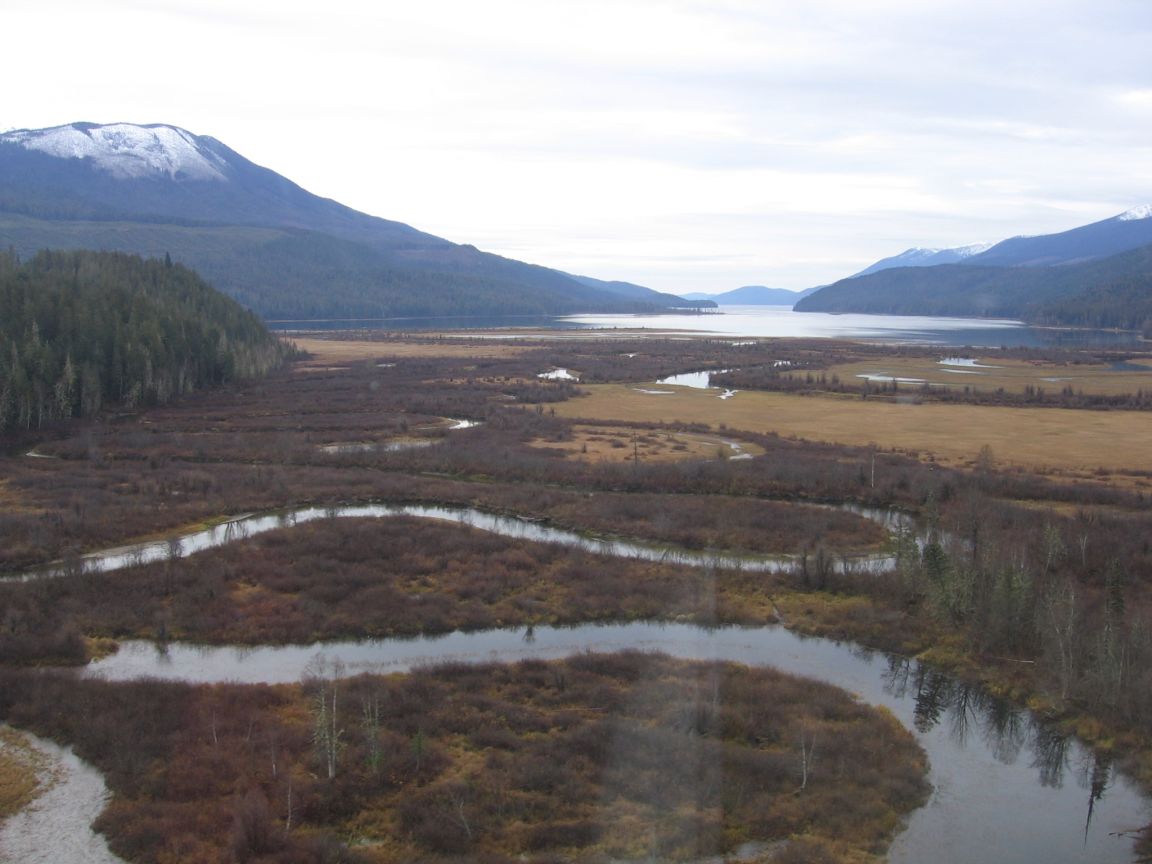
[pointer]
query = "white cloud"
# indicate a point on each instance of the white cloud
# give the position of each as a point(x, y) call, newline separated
point(1141, 99)
point(679, 143)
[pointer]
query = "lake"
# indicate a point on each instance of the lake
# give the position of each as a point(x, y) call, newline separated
point(758, 322)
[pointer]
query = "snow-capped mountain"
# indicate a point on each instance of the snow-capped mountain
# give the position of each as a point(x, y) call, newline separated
point(918, 256)
point(165, 174)
point(1128, 230)
point(1097, 275)
point(158, 189)
point(1144, 211)
point(126, 151)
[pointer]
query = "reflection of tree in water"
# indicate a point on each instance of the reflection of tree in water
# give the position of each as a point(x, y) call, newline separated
point(968, 710)
point(934, 695)
point(1049, 754)
point(861, 652)
point(1006, 729)
point(1095, 772)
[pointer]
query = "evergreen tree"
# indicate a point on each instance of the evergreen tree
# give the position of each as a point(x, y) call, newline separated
point(81, 330)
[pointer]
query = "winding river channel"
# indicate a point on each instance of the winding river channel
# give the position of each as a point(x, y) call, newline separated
point(243, 527)
point(1007, 788)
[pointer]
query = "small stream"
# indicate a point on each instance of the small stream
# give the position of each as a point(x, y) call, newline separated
point(249, 525)
point(54, 829)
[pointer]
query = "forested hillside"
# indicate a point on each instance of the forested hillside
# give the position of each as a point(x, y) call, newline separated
point(1108, 292)
point(1122, 299)
point(80, 330)
point(258, 237)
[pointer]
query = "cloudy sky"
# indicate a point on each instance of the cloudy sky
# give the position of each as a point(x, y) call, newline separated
point(688, 146)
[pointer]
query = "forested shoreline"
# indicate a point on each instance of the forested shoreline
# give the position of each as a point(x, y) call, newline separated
point(1109, 292)
point(83, 330)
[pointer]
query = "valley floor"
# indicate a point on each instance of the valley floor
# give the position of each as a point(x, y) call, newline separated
point(1031, 574)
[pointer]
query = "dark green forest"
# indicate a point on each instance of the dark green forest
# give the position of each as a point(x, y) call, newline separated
point(83, 330)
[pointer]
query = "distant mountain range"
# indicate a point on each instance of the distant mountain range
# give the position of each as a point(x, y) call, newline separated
point(1097, 275)
point(754, 295)
point(919, 257)
point(278, 249)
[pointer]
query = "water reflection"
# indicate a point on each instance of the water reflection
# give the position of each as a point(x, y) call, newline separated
point(1099, 772)
point(756, 322)
point(966, 709)
point(990, 804)
point(244, 527)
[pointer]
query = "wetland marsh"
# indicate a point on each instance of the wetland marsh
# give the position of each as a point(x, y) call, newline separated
point(163, 474)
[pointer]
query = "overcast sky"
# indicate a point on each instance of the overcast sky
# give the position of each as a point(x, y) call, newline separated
point(687, 146)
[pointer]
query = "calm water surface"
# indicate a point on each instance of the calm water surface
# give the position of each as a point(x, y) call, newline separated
point(249, 525)
point(1007, 788)
point(765, 321)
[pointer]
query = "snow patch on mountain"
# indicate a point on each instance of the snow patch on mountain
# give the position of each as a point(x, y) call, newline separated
point(127, 151)
point(1144, 211)
point(920, 253)
point(919, 256)
point(972, 249)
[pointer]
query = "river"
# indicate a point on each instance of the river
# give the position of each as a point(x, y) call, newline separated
point(249, 525)
point(1007, 787)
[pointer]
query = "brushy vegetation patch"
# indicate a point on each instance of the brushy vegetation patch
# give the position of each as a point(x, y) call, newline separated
point(394, 576)
point(626, 755)
point(719, 522)
point(616, 444)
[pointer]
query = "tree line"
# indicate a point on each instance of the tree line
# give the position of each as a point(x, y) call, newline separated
point(82, 330)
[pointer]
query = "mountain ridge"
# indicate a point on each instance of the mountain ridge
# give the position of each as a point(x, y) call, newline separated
point(1127, 230)
point(1094, 275)
point(130, 187)
point(755, 295)
point(919, 256)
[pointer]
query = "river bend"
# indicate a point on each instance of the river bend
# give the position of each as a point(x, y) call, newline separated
point(1007, 789)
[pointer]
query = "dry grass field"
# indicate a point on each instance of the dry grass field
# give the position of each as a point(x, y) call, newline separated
point(1040, 439)
point(991, 374)
point(616, 444)
point(328, 352)
point(20, 766)
point(1070, 442)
